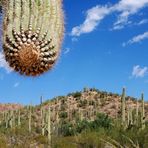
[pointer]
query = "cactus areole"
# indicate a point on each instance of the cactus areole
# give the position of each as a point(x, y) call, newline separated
point(32, 35)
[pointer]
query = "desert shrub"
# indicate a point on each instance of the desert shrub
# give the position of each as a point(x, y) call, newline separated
point(66, 142)
point(82, 103)
point(63, 115)
point(63, 107)
point(67, 129)
point(82, 125)
point(101, 120)
point(3, 142)
point(91, 102)
point(41, 139)
point(76, 94)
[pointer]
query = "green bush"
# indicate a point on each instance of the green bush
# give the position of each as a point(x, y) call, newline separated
point(63, 115)
point(76, 94)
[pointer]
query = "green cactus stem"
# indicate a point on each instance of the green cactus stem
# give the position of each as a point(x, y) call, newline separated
point(32, 36)
point(6, 119)
point(49, 127)
point(123, 106)
point(29, 119)
point(142, 112)
point(43, 121)
point(137, 113)
point(131, 116)
point(11, 118)
point(19, 118)
point(41, 100)
point(128, 116)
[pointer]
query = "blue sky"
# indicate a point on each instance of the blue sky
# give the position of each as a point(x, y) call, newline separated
point(105, 46)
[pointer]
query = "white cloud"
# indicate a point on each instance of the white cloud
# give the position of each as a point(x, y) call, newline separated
point(139, 71)
point(4, 64)
point(74, 39)
point(144, 21)
point(93, 18)
point(137, 38)
point(127, 8)
point(124, 8)
point(67, 50)
point(16, 84)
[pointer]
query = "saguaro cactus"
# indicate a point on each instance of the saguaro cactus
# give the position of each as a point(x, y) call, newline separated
point(128, 116)
point(29, 119)
point(123, 106)
point(43, 121)
point(49, 126)
point(19, 118)
point(137, 113)
point(142, 112)
point(33, 31)
point(11, 114)
point(6, 119)
point(131, 116)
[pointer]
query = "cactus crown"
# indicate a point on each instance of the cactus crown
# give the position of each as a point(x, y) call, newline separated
point(32, 35)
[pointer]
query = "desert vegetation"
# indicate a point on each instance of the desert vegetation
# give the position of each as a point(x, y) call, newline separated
point(86, 119)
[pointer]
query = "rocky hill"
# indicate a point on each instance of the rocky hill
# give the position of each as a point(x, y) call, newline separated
point(9, 106)
point(90, 101)
point(75, 120)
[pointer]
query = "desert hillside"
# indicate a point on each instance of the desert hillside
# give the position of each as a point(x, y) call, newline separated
point(90, 101)
point(76, 120)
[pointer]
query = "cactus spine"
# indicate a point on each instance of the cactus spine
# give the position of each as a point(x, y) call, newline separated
point(123, 106)
point(32, 36)
point(142, 112)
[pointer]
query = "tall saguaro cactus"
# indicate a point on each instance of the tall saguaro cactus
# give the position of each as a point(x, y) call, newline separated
point(123, 106)
point(29, 119)
point(142, 112)
point(33, 31)
point(49, 126)
point(43, 121)
point(137, 113)
point(19, 118)
point(11, 118)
